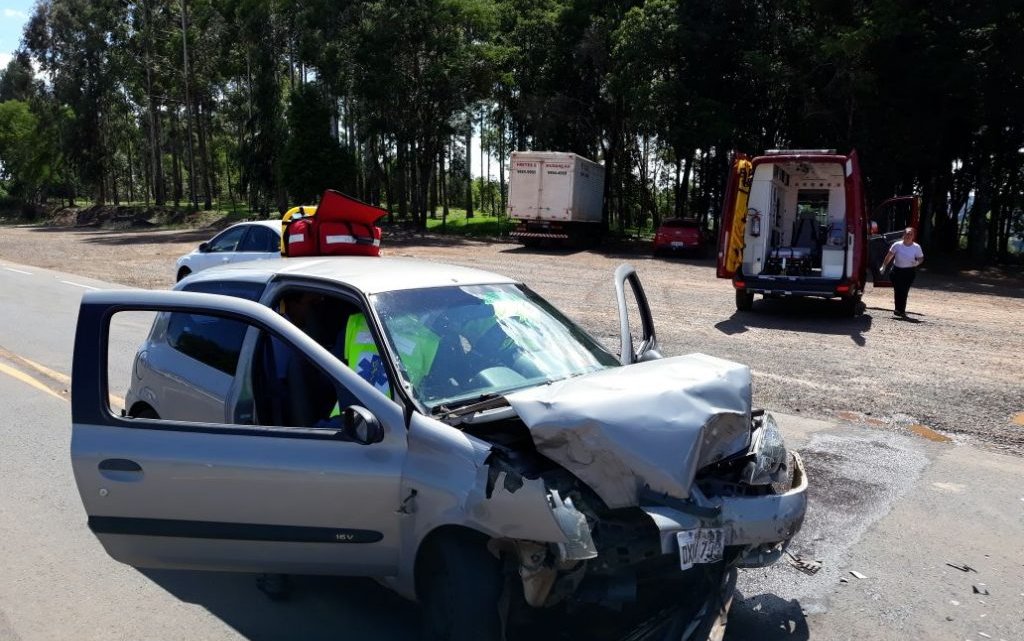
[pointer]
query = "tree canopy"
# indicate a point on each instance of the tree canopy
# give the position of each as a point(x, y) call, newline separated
point(268, 102)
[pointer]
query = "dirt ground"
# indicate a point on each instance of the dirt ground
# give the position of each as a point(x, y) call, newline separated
point(954, 367)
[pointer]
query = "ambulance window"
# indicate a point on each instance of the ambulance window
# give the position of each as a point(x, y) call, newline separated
point(813, 204)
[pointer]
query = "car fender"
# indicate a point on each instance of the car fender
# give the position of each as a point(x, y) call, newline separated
point(445, 483)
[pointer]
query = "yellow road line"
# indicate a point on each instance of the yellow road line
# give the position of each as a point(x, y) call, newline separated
point(46, 371)
point(28, 380)
point(116, 402)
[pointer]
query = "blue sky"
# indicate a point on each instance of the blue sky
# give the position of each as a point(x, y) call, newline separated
point(13, 15)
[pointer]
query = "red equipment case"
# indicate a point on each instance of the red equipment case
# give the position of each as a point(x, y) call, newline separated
point(340, 226)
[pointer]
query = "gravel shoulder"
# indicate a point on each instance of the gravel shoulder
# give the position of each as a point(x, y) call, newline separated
point(955, 367)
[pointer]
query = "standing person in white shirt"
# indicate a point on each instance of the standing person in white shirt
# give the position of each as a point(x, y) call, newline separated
point(905, 255)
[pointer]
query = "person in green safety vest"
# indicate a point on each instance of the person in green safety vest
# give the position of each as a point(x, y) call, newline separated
point(416, 346)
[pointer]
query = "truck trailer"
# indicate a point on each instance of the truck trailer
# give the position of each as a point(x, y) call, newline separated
point(555, 197)
point(794, 224)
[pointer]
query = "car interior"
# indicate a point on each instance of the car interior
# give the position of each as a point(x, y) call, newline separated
point(288, 389)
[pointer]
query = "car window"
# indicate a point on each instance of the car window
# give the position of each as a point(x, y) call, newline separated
point(260, 239)
point(238, 289)
point(461, 342)
point(228, 240)
point(211, 340)
point(273, 385)
point(680, 223)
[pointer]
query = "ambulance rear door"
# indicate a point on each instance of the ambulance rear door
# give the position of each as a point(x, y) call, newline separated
point(733, 223)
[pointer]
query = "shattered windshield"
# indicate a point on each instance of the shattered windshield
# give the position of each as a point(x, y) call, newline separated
point(458, 344)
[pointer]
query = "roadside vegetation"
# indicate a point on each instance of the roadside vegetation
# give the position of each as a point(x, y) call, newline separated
point(255, 105)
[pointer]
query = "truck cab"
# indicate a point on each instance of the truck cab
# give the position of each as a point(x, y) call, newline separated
point(794, 224)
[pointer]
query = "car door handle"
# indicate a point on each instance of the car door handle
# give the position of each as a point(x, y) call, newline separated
point(119, 465)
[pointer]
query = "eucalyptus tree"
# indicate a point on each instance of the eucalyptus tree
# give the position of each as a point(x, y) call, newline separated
point(416, 66)
point(71, 41)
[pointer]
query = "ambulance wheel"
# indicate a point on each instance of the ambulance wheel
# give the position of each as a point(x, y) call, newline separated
point(744, 300)
point(850, 305)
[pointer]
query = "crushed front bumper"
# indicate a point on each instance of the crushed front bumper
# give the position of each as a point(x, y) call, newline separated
point(761, 525)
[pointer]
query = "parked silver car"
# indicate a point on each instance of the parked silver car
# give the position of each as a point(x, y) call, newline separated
point(443, 429)
point(255, 240)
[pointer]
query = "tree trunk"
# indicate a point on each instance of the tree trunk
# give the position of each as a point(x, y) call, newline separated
point(501, 163)
point(977, 229)
point(469, 172)
point(444, 191)
point(677, 205)
point(175, 161)
point(204, 158)
point(401, 181)
point(685, 187)
point(156, 160)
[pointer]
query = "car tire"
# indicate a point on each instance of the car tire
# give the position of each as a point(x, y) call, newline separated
point(721, 603)
point(183, 272)
point(460, 589)
point(744, 300)
point(145, 412)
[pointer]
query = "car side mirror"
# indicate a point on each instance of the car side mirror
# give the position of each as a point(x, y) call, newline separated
point(204, 248)
point(361, 425)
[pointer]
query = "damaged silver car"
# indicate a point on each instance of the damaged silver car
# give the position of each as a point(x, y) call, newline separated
point(442, 429)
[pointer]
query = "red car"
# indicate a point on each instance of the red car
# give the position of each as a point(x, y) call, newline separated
point(680, 235)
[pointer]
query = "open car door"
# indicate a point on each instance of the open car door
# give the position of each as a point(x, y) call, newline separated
point(887, 224)
point(636, 325)
point(734, 217)
point(235, 493)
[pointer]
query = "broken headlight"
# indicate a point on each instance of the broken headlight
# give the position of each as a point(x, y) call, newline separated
point(724, 435)
point(769, 451)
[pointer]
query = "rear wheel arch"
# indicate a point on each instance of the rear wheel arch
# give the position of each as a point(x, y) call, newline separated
point(142, 409)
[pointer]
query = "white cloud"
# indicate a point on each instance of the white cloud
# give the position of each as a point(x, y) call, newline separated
point(14, 13)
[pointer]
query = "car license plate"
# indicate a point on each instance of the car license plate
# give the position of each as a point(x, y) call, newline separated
point(700, 546)
point(677, 244)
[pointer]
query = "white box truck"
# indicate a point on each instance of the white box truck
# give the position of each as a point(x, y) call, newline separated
point(555, 197)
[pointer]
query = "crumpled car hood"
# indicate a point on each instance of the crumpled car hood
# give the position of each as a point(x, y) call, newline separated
point(648, 424)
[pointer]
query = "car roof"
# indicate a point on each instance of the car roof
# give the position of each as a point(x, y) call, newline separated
point(368, 274)
point(270, 224)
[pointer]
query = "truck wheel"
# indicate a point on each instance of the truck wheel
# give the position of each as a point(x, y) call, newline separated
point(744, 300)
point(460, 589)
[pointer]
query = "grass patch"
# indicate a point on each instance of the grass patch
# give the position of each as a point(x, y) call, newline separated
point(480, 225)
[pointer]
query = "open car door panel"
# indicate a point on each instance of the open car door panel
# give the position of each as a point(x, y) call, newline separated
point(216, 496)
point(888, 221)
point(632, 303)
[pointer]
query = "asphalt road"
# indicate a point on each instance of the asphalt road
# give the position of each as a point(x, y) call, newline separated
point(893, 506)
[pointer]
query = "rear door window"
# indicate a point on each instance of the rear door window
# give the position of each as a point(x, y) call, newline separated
point(212, 340)
point(260, 239)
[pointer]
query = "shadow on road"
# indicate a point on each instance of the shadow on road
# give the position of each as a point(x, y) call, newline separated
point(808, 315)
point(318, 608)
point(1006, 282)
point(774, 619)
point(118, 237)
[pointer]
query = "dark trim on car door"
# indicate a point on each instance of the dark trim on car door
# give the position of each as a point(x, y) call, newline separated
point(229, 531)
